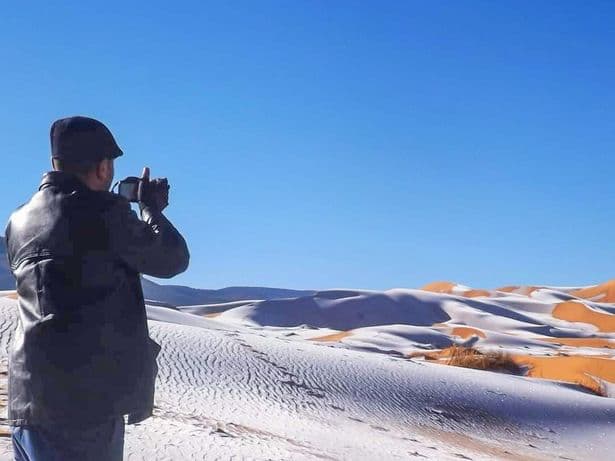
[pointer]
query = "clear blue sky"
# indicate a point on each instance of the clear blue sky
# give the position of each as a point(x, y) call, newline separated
point(339, 144)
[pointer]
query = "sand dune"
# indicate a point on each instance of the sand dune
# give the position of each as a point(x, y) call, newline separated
point(578, 312)
point(358, 374)
point(604, 292)
point(583, 342)
point(466, 332)
point(588, 371)
point(533, 321)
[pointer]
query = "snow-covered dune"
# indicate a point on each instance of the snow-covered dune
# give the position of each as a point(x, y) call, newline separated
point(183, 295)
point(328, 376)
point(563, 333)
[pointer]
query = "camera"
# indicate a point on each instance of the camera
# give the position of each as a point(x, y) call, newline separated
point(129, 187)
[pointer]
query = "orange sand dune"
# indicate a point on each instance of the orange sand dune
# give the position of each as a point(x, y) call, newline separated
point(577, 369)
point(604, 293)
point(573, 311)
point(475, 293)
point(582, 342)
point(333, 337)
point(583, 370)
point(439, 287)
point(466, 332)
point(12, 295)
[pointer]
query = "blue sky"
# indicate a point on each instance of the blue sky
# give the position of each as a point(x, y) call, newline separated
point(339, 144)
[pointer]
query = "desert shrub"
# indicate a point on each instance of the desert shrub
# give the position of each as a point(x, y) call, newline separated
point(468, 357)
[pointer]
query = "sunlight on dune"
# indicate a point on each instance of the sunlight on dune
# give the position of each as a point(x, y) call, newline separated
point(604, 293)
point(439, 287)
point(466, 332)
point(583, 342)
point(476, 293)
point(576, 369)
point(332, 337)
point(508, 289)
point(573, 311)
point(583, 370)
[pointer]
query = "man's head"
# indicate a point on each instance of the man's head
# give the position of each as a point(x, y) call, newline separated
point(86, 148)
point(96, 175)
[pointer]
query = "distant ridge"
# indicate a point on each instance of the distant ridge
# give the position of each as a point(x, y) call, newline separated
point(178, 295)
point(7, 282)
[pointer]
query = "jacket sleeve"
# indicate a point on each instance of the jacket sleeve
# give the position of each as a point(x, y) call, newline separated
point(151, 245)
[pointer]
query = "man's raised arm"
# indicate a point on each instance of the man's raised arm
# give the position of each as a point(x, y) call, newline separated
point(151, 246)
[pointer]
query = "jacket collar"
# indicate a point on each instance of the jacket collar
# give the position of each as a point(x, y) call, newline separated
point(63, 180)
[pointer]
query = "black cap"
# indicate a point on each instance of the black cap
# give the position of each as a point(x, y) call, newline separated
point(82, 139)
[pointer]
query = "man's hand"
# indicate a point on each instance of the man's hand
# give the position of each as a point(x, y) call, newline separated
point(153, 194)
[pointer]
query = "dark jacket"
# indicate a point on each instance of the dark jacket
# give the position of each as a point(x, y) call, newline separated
point(82, 351)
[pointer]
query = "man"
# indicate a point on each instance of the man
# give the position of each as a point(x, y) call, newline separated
point(81, 357)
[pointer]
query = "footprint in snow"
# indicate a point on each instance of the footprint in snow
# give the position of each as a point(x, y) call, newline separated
point(379, 428)
point(221, 432)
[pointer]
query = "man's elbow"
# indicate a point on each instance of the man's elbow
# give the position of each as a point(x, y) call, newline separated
point(183, 261)
point(177, 264)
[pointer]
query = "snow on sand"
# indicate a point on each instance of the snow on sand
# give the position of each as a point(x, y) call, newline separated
point(329, 376)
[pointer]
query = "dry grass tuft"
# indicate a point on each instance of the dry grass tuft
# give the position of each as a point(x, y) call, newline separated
point(469, 357)
point(590, 373)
